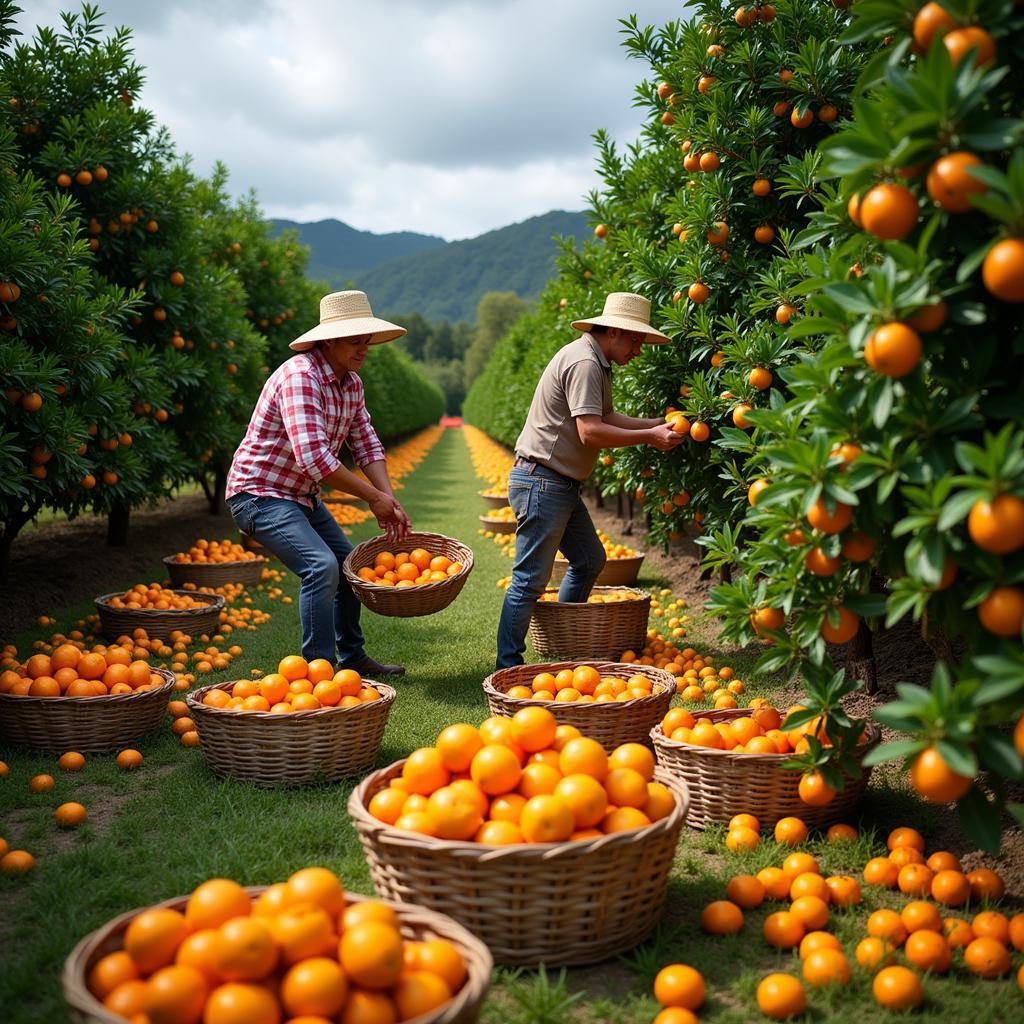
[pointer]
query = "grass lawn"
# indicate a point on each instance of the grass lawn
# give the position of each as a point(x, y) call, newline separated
point(160, 831)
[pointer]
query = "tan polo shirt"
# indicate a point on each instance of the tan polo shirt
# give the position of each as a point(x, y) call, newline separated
point(577, 382)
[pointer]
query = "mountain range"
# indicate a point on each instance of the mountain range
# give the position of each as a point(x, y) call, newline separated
point(415, 273)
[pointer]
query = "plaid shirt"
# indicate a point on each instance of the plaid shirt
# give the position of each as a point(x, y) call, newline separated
point(303, 416)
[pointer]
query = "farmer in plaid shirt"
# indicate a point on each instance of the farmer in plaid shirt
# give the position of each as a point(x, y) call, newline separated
point(310, 406)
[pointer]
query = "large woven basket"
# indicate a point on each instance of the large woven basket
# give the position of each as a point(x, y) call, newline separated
point(494, 500)
point(552, 903)
point(498, 525)
point(417, 924)
point(160, 623)
point(617, 572)
point(214, 574)
point(85, 724)
point(406, 602)
point(611, 723)
point(296, 749)
point(579, 629)
point(723, 783)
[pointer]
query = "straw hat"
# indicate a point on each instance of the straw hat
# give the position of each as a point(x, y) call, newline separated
point(627, 311)
point(347, 315)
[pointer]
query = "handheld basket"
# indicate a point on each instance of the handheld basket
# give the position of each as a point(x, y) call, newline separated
point(617, 572)
point(553, 903)
point(214, 574)
point(579, 629)
point(498, 525)
point(417, 924)
point(302, 747)
point(406, 602)
point(85, 724)
point(159, 623)
point(724, 783)
point(611, 724)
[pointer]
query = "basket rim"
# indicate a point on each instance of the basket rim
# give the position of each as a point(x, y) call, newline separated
point(73, 975)
point(171, 560)
point(492, 494)
point(644, 596)
point(354, 561)
point(215, 601)
point(638, 557)
point(660, 739)
point(362, 818)
point(28, 701)
point(667, 682)
point(194, 699)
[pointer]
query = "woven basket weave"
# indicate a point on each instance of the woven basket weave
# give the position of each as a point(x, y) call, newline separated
point(214, 574)
point(416, 924)
point(723, 783)
point(611, 724)
point(558, 904)
point(302, 747)
point(85, 724)
point(493, 500)
point(406, 602)
point(579, 629)
point(617, 572)
point(159, 623)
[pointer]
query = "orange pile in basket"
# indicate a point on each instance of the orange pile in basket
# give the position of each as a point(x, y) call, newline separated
point(584, 685)
point(152, 595)
point(409, 568)
point(297, 685)
point(524, 779)
point(215, 551)
point(298, 951)
point(617, 597)
point(71, 672)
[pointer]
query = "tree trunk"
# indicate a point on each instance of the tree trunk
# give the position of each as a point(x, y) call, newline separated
point(11, 529)
point(725, 574)
point(598, 497)
point(618, 505)
point(117, 525)
point(218, 506)
point(860, 659)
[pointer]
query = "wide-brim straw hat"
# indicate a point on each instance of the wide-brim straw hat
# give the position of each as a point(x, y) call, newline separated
point(347, 315)
point(627, 311)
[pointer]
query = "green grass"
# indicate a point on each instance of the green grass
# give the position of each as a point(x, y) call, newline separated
point(162, 830)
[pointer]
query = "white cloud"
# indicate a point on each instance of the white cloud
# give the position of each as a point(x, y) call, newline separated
point(449, 118)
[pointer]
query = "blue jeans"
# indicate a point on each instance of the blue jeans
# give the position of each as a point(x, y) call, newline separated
point(550, 515)
point(313, 546)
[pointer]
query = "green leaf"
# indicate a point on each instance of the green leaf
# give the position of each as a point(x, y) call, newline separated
point(959, 757)
point(892, 751)
point(998, 753)
point(980, 820)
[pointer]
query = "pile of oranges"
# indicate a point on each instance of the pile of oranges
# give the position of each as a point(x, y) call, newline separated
point(760, 732)
point(299, 951)
point(297, 685)
point(409, 568)
point(524, 779)
point(583, 685)
point(72, 672)
point(215, 551)
point(615, 597)
point(154, 596)
point(612, 550)
point(491, 461)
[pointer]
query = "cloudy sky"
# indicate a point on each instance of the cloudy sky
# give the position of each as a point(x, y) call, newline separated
point(437, 116)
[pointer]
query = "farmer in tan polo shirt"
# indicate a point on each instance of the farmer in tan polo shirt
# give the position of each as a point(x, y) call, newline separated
point(570, 420)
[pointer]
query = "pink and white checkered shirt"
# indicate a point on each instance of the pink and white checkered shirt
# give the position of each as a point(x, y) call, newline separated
point(303, 416)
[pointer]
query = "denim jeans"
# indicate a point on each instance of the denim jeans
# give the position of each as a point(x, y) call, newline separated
point(550, 515)
point(313, 546)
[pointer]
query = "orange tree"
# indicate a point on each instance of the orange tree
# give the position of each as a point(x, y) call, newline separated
point(890, 481)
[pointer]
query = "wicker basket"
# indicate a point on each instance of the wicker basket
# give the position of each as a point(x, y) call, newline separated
point(85, 724)
point(611, 723)
point(617, 572)
point(494, 500)
point(416, 924)
point(580, 630)
point(160, 623)
point(214, 574)
point(559, 904)
point(406, 602)
point(723, 783)
point(498, 525)
point(303, 747)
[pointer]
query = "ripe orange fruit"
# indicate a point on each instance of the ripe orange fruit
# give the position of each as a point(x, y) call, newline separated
point(216, 901)
point(70, 815)
point(858, 546)
point(175, 994)
point(928, 950)
point(129, 999)
point(874, 952)
point(776, 883)
point(153, 937)
point(951, 184)
point(424, 771)
point(721, 917)
point(808, 883)
point(314, 987)
point(893, 349)
point(546, 819)
point(818, 940)
point(897, 988)
point(811, 911)
point(72, 761)
point(888, 211)
point(934, 780)
point(1003, 270)
point(840, 833)
point(814, 790)
point(371, 953)
point(905, 836)
point(679, 985)
point(930, 21)
point(961, 41)
point(784, 929)
point(317, 885)
point(921, 915)
point(533, 728)
point(245, 949)
point(781, 996)
point(904, 855)
point(420, 992)
point(985, 884)
point(800, 863)
point(457, 745)
point(887, 924)
point(1002, 612)
point(987, 957)
point(915, 879)
point(790, 831)
point(585, 797)
point(742, 838)
point(495, 769)
point(826, 966)
point(110, 971)
point(820, 564)
point(997, 526)
point(746, 891)
point(834, 521)
point(240, 1003)
point(129, 759)
point(293, 667)
point(583, 755)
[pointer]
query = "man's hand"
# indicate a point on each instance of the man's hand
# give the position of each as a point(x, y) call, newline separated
point(391, 517)
point(664, 438)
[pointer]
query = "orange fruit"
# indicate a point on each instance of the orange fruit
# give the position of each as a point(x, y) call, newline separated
point(499, 833)
point(934, 780)
point(293, 667)
point(942, 860)
point(420, 992)
point(317, 885)
point(496, 769)
point(811, 911)
point(129, 999)
point(809, 883)
point(582, 755)
point(70, 815)
point(985, 884)
point(742, 838)
point(920, 915)
point(887, 924)
point(301, 931)
point(533, 728)
point(721, 917)
point(874, 952)
point(315, 987)
point(624, 819)
point(744, 821)
point(245, 949)
point(800, 863)
point(198, 951)
point(990, 924)
point(175, 995)
point(454, 814)
point(987, 957)
point(776, 883)
point(371, 953)
point(368, 910)
point(790, 831)
point(17, 862)
point(457, 745)
point(1003, 270)
point(784, 929)
point(440, 957)
point(904, 855)
point(129, 759)
point(546, 819)
point(818, 940)
point(216, 901)
point(781, 996)
point(897, 988)
point(634, 756)
point(679, 985)
point(746, 891)
point(888, 211)
point(950, 887)
point(905, 836)
point(239, 1003)
point(957, 932)
point(585, 797)
point(424, 771)
point(826, 967)
point(928, 950)
point(110, 971)
point(153, 937)
point(915, 879)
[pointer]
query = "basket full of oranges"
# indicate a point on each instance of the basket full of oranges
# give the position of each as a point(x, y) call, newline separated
point(420, 580)
point(732, 759)
point(214, 563)
point(82, 700)
point(260, 955)
point(304, 723)
point(159, 611)
point(610, 702)
point(545, 845)
point(611, 620)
